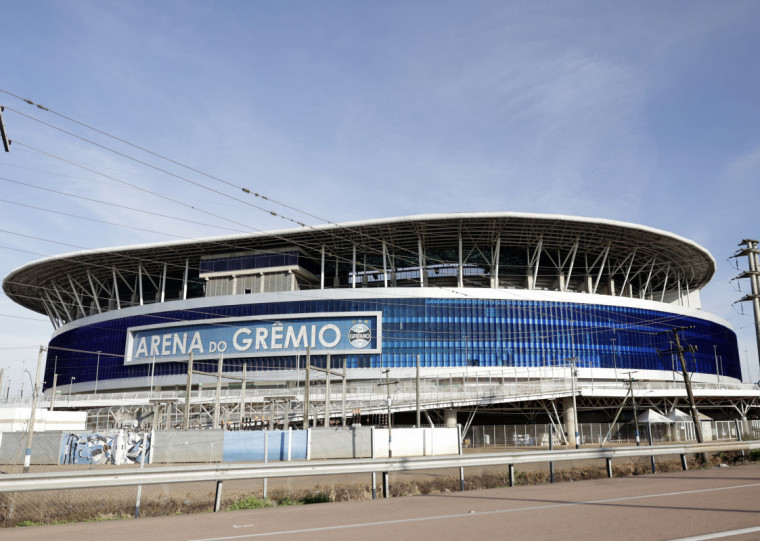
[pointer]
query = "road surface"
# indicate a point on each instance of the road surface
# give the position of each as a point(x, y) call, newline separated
point(720, 503)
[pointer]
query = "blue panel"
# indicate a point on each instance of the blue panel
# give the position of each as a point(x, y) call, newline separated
point(248, 446)
point(444, 332)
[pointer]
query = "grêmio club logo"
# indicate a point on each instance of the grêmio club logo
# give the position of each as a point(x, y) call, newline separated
point(360, 335)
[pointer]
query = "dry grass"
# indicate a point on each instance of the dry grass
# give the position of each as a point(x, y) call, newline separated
point(26, 509)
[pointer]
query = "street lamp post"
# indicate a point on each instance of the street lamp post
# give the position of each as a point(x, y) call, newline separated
point(97, 372)
point(71, 384)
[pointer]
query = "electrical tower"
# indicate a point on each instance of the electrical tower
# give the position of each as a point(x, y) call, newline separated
point(750, 250)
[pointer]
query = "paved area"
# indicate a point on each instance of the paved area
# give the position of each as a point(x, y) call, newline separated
point(699, 504)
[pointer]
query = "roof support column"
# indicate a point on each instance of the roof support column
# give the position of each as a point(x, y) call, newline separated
point(139, 281)
point(421, 256)
point(63, 304)
point(116, 289)
point(664, 284)
point(680, 297)
point(184, 278)
point(495, 264)
point(688, 294)
point(95, 296)
point(353, 266)
point(322, 271)
point(460, 281)
point(163, 284)
point(385, 266)
point(54, 310)
point(649, 279)
point(76, 296)
point(601, 268)
point(49, 314)
point(572, 264)
point(628, 272)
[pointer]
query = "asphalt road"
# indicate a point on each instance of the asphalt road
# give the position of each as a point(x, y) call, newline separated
point(721, 503)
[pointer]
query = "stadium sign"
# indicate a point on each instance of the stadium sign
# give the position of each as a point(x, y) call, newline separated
point(269, 336)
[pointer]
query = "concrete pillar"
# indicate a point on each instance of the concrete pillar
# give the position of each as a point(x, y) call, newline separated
point(747, 431)
point(569, 413)
point(450, 418)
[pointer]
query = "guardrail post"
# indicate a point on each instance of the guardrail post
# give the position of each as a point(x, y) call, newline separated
point(684, 465)
point(511, 475)
point(461, 468)
point(386, 488)
point(609, 467)
point(551, 448)
point(218, 497)
point(738, 433)
point(372, 456)
point(266, 459)
point(649, 435)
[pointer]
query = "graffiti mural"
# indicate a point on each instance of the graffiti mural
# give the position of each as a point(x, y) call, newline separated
point(116, 448)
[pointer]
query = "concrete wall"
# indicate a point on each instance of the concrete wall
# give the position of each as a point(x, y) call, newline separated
point(180, 446)
point(280, 445)
point(214, 446)
point(46, 447)
point(352, 442)
point(417, 442)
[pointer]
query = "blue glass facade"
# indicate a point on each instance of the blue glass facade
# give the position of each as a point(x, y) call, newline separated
point(443, 332)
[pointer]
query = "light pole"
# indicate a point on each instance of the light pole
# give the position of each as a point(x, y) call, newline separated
point(30, 382)
point(71, 384)
point(575, 404)
point(746, 363)
point(717, 370)
point(152, 372)
point(97, 372)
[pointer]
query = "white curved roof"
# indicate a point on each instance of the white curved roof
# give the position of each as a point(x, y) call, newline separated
point(627, 247)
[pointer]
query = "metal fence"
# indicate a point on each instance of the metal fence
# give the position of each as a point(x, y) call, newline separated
point(47, 497)
point(595, 433)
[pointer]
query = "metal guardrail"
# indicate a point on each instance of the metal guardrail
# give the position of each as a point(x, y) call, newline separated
point(219, 473)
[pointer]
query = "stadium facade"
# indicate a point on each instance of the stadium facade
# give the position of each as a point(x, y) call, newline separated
point(479, 292)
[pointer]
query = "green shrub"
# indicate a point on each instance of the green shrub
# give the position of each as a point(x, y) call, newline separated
point(317, 497)
point(252, 502)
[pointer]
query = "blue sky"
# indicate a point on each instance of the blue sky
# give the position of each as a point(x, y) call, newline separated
point(644, 112)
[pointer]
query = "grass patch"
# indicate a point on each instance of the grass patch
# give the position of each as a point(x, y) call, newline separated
point(251, 502)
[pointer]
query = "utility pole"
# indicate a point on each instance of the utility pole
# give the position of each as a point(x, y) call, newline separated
point(3, 135)
point(417, 393)
point(328, 372)
point(575, 403)
point(307, 383)
point(217, 394)
point(751, 251)
point(188, 388)
point(30, 434)
point(635, 409)
point(388, 384)
point(686, 379)
point(52, 396)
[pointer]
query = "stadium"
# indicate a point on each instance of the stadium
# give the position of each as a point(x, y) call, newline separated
point(511, 313)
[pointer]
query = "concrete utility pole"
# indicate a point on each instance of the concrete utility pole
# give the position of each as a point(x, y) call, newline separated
point(188, 388)
point(52, 396)
point(306, 385)
point(3, 135)
point(30, 434)
point(686, 379)
point(388, 384)
point(635, 409)
point(751, 251)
